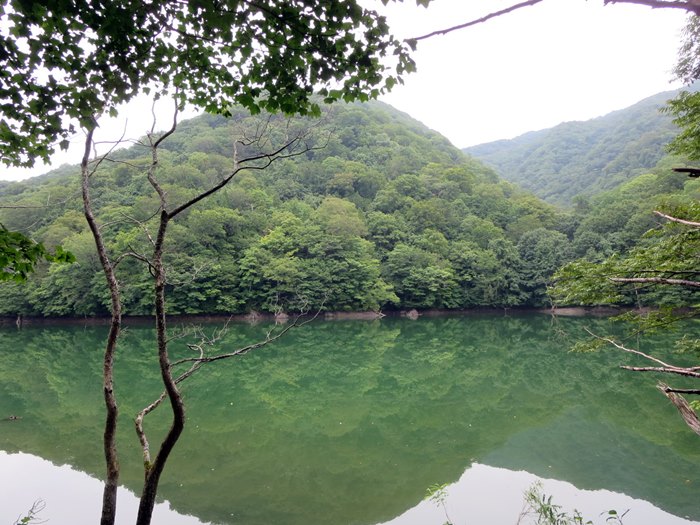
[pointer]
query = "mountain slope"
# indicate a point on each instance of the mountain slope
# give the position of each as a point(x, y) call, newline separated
point(584, 158)
point(385, 213)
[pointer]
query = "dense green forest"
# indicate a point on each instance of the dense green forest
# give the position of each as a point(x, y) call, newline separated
point(386, 215)
point(584, 158)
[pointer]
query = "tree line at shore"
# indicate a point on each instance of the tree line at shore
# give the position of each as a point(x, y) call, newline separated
point(383, 214)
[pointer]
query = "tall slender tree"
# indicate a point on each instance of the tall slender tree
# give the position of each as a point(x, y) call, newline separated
point(63, 65)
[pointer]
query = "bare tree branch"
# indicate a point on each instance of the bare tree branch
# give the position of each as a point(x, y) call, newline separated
point(692, 6)
point(673, 394)
point(692, 391)
point(477, 21)
point(134, 220)
point(48, 204)
point(170, 131)
point(260, 132)
point(195, 271)
point(247, 164)
point(664, 367)
point(154, 157)
point(197, 362)
point(675, 219)
point(630, 350)
point(244, 350)
point(684, 408)
point(135, 255)
point(657, 280)
point(125, 162)
point(143, 439)
point(97, 161)
point(32, 514)
point(686, 372)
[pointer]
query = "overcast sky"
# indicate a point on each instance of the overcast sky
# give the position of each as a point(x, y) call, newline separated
point(557, 61)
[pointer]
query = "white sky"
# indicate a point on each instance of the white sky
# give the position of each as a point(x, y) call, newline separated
point(557, 61)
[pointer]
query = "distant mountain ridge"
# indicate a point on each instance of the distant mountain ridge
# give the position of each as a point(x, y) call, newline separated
point(584, 157)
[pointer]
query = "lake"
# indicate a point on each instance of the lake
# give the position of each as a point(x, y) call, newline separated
point(349, 422)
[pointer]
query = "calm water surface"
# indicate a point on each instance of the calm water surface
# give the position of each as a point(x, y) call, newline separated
point(350, 422)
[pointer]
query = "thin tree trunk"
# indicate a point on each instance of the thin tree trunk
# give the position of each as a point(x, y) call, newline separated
point(154, 471)
point(109, 497)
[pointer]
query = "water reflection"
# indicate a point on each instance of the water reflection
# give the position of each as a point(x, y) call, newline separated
point(70, 496)
point(494, 495)
point(350, 422)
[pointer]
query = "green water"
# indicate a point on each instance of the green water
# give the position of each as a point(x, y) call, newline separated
point(350, 422)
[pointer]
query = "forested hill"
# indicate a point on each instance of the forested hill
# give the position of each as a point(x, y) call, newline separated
point(584, 158)
point(387, 214)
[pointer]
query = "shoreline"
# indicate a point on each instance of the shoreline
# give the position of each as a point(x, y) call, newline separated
point(256, 317)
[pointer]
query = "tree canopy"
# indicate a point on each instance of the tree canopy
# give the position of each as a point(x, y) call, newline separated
point(575, 159)
point(67, 63)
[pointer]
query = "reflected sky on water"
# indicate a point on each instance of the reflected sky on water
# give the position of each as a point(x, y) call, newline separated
point(71, 497)
point(482, 495)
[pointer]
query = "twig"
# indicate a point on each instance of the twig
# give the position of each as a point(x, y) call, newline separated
point(244, 350)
